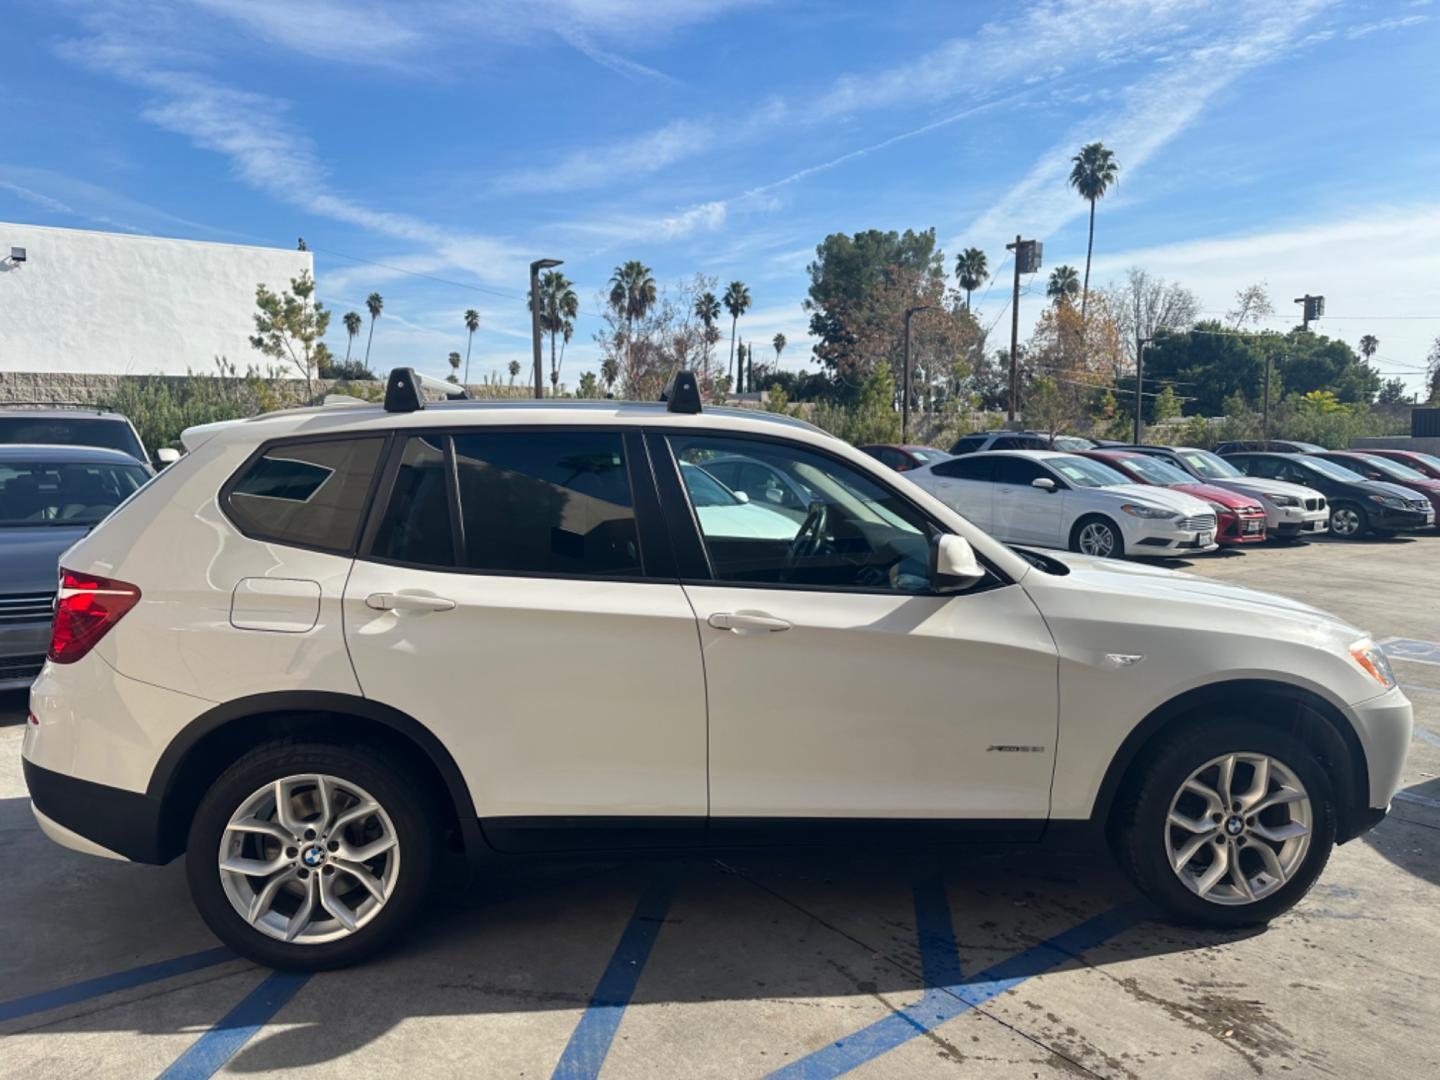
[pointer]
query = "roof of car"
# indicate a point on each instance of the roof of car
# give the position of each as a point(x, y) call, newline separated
point(65, 452)
point(1034, 455)
point(72, 412)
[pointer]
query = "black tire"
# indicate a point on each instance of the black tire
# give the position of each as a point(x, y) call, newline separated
point(401, 795)
point(1140, 828)
point(1118, 552)
point(1347, 511)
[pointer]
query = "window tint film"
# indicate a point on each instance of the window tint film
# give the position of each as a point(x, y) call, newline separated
point(850, 532)
point(967, 468)
point(311, 494)
point(549, 502)
point(64, 493)
point(1019, 471)
point(110, 434)
point(416, 528)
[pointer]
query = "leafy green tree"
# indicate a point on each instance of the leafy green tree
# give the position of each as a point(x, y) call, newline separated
point(374, 303)
point(971, 270)
point(1392, 392)
point(558, 307)
point(1369, 346)
point(737, 302)
point(351, 319)
point(632, 294)
point(707, 310)
point(1432, 370)
point(609, 373)
point(472, 323)
point(1064, 285)
point(514, 368)
point(1093, 172)
point(779, 342)
point(589, 386)
point(289, 326)
point(454, 376)
point(1167, 405)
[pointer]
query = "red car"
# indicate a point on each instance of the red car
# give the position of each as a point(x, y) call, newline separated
point(1374, 467)
point(905, 458)
point(1425, 464)
point(1239, 519)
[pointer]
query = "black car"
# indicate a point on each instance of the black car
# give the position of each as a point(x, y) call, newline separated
point(1357, 506)
point(1278, 446)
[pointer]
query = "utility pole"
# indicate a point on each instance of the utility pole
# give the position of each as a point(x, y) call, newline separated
point(535, 268)
point(1027, 260)
point(905, 378)
point(1265, 408)
point(1314, 307)
point(1140, 344)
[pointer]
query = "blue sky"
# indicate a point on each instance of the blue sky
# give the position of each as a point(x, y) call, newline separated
point(1294, 142)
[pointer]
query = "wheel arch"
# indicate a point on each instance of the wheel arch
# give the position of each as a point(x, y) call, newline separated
point(206, 746)
point(1283, 706)
point(1095, 515)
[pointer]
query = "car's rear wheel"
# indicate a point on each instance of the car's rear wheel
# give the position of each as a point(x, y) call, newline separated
point(310, 855)
point(1097, 535)
point(1348, 521)
point(1229, 825)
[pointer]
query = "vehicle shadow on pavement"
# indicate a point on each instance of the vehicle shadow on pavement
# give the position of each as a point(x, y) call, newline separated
point(772, 934)
point(1407, 837)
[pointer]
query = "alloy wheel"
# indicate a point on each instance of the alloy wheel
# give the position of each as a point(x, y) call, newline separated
point(1239, 828)
point(1344, 521)
point(309, 859)
point(1097, 539)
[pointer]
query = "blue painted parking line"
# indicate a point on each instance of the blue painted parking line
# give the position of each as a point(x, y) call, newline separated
point(113, 983)
point(1418, 800)
point(1426, 736)
point(947, 1000)
point(1421, 652)
point(1410, 688)
point(212, 1050)
point(585, 1053)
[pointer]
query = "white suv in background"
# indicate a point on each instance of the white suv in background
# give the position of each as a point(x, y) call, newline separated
point(1056, 500)
point(332, 645)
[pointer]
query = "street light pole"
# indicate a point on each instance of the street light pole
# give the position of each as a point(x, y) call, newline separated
point(1139, 386)
point(535, 268)
point(905, 378)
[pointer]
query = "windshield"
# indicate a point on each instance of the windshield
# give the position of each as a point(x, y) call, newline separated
point(1333, 471)
point(1210, 466)
point(1428, 459)
point(1082, 472)
point(63, 493)
point(1156, 471)
point(1394, 469)
point(67, 431)
point(928, 456)
point(704, 489)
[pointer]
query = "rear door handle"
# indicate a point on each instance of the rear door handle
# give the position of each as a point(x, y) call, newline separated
point(747, 622)
point(385, 601)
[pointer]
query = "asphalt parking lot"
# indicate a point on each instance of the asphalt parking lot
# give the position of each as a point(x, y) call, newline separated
point(975, 964)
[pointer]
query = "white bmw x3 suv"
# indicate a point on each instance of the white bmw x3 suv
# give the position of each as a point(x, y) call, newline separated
point(1057, 500)
point(332, 645)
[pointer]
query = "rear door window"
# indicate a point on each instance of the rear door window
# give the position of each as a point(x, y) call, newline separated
point(966, 468)
point(310, 494)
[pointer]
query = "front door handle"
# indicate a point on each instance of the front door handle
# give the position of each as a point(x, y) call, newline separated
point(386, 601)
point(747, 622)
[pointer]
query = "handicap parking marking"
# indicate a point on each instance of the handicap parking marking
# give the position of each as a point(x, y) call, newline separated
point(1418, 800)
point(1420, 652)
point(589, 1044)
point(947, 993)
point(112, 983)
point(209, 1053)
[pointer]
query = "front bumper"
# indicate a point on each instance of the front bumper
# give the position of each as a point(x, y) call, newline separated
point(93, 818)
point(1385, 725)
point(1159, 538)
point(1241, 528)
point(1392, 520)
point(1289, 522)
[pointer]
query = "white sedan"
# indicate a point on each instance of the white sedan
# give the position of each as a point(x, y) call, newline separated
point(1057, 500)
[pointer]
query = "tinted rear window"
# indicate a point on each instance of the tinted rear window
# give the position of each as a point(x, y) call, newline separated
point(64, 493)
point(310, 494)
point(79, 431)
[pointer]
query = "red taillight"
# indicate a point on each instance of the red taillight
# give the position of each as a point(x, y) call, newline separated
point(86, 608)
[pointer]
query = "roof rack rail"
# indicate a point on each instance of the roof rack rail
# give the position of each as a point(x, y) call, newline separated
point(682, 393)
point(403, 390)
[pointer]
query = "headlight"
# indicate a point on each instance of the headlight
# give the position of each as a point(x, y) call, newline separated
point(1136, 510)
point(1392, 501)
point(1219, 509)
point(1373, 660)
point(1285, 500)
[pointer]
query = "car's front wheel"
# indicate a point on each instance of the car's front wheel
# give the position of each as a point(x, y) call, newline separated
point(1348, 521)
point(310, 855)
point(1096, 535)
point(1230, 825)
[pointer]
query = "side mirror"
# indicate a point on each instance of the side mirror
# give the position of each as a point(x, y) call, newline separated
point(774, 495)
point(953, 566)
point(1044, 483)
point(742, 497)
point(166, 455)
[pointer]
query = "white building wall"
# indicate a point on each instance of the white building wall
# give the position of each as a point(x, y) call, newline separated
point(120, 304)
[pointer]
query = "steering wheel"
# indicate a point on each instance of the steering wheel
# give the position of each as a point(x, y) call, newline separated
point(811, 536)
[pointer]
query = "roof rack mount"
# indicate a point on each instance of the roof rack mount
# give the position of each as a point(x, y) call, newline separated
point(404, 390)
point(682, 393)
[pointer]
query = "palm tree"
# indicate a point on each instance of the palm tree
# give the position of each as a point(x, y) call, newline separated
point(609, 372)
point(1093, 172)
point(374, 303)
point(558, 307)
point(1369, 346)
point(737, 302)
point(454, 375)
point(779, 342)
point(472, 323)
point(352, 327)
point(1064, 285)
point(632, 294)
point(514, 369)
point(707, 310)
point(971, 270)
